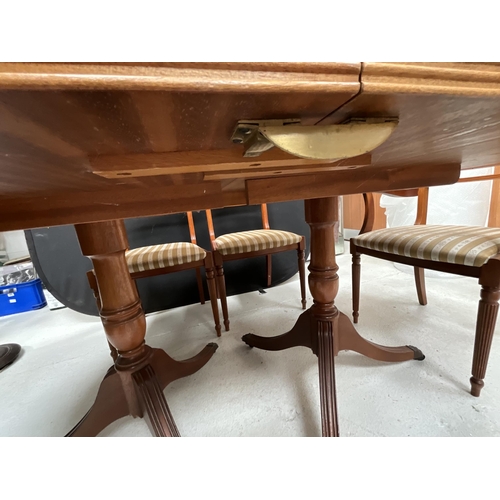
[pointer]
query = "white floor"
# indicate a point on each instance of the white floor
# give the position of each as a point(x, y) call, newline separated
point(249, 392)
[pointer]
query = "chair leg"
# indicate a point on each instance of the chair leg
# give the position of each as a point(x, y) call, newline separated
point(419, 273)
point(485, 327)
point(221, 287)
point(212, 291)
point(356, 279)
point(269, 268)
point(302, 273)
point(200, 286)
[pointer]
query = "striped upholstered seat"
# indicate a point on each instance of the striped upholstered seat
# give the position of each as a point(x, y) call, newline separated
point(160, 256)
point(466, 245)
point(252, 241)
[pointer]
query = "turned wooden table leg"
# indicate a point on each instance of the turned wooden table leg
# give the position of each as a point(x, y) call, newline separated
point(134, 385)
point(322, 327)
point(316, 328)
point(321, 215)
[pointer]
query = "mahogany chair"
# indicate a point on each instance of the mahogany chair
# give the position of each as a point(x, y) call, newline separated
point(247, 244)
point(169, 258)
point(462, 250)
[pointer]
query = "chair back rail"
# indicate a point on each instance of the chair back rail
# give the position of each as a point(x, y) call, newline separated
point(210, 223)
point(422, 203)
point(192, 232)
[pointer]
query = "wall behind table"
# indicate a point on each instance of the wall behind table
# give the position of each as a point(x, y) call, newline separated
point(12, 245)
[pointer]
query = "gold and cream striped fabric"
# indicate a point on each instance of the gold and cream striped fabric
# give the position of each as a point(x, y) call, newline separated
point(251, 241)
point(466, 245)
point(160, 256)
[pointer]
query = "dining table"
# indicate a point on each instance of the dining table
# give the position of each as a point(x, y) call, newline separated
point(92, 144)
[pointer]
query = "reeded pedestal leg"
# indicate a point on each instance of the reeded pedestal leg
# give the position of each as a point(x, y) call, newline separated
point(322, 328)
point(326, 365)
point(321, 215)
point(134, 385)
point(485, 328)
point(316, 327)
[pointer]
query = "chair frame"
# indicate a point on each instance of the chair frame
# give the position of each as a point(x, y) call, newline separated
point(207, 263)
point(219, 260)
point(488, 276)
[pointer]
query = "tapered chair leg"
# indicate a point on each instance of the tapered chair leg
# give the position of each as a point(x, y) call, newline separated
point(200, 286)
point(485, 327)
point(269, 269)
point(301, 256)
point(221, 287)
point(356, 282)
point(419, 273)
point(212, 291)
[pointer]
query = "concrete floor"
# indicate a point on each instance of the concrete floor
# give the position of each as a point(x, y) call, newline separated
point(248, 392)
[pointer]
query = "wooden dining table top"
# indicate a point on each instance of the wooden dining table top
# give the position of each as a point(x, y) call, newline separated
point(100, 141)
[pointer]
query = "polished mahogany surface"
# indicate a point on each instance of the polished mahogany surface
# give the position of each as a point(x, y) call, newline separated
point(68, 131)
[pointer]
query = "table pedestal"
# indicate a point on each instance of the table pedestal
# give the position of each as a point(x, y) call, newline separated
point(134, 385)
point(322, 328)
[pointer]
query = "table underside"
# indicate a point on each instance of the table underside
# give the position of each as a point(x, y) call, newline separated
point(85, 143)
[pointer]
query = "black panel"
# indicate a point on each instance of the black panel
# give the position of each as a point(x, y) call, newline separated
point(62, 267)
point(59, 262)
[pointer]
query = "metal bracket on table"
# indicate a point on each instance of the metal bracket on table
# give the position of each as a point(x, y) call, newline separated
point(321, 142)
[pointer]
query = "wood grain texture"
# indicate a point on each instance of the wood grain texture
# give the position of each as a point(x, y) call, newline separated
point(47, 137)
point(432, 128)
point(326, 368)
point(58, 121)
point(442, 78)
point(355, 180)
point(158, 415)
point(222, 162)
point(194, 77)
point(474, 79)
point(79, 207)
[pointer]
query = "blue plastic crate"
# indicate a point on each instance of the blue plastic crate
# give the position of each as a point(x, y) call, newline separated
point(21, 297)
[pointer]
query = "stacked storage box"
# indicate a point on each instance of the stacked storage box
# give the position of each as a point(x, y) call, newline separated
point(20, 289)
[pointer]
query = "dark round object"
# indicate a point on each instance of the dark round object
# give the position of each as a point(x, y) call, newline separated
point(8, 354)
